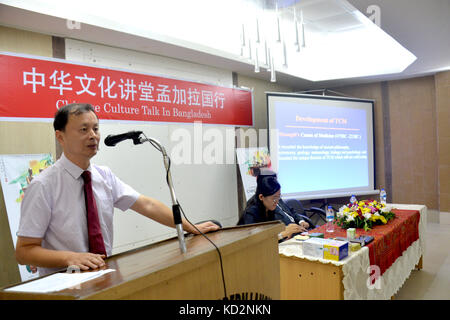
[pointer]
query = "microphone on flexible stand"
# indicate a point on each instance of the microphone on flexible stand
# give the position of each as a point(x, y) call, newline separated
point(112, 140)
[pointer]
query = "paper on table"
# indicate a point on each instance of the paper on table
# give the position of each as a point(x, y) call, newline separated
point(58, 282)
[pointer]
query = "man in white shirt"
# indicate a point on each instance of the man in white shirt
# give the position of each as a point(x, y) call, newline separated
point(53, 229)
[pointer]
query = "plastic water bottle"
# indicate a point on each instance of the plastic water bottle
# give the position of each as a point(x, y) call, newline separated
point(330, 218)
point(383, 196)
point(353, 199)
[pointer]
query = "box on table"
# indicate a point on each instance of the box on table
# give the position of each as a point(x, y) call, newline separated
point(335, 250)
point(314, 247)
point(325, 248)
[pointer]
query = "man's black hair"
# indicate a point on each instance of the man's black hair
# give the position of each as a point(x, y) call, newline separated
point(62, 115)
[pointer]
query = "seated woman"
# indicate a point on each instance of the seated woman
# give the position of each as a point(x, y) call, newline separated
point(266, 205)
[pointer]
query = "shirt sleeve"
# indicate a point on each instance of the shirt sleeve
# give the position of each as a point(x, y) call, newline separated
point(35, 211)
point(124, 195)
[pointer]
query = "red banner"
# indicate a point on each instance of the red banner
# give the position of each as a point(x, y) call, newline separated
point(36, 88)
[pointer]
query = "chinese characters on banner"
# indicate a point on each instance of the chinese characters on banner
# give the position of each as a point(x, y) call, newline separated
point(36, 88)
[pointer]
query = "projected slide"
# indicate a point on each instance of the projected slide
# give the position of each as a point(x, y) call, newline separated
point(325, 147)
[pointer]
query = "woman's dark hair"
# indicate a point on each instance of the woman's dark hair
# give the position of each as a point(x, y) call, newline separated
point(266, 185)
point(62, 115)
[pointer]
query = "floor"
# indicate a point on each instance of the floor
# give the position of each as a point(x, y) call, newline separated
point(433, 281)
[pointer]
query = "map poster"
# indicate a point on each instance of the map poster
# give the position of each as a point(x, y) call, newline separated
point(16, 173)
point(251, 161)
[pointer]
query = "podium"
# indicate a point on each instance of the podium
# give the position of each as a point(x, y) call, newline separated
point(161, 272)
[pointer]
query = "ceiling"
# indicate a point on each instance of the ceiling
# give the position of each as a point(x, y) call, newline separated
point(422, 27)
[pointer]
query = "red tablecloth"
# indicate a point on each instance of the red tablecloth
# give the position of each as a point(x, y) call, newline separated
point(390, 240)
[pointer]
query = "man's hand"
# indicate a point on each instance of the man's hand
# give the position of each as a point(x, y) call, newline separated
point(205, 227)
point(85, 260)
point(158, 211)
point(30, 252)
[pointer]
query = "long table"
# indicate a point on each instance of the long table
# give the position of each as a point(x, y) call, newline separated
point(362, 275)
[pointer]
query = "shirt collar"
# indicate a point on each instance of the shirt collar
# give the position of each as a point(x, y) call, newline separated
point(74, 170)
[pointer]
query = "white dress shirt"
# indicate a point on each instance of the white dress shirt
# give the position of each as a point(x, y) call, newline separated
point(53, 207)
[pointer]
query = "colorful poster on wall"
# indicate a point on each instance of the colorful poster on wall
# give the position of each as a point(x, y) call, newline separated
point(116, 95)
point(16, 173)
point(251, 162)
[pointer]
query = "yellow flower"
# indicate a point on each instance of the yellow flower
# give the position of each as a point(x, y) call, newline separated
point(383, 219)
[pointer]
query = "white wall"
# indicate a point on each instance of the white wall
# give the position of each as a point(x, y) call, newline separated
point(204, 190)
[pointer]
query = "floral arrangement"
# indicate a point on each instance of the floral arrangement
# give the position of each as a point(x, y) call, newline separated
point(363, 214)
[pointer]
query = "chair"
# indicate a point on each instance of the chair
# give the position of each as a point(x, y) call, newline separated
point(296, 206)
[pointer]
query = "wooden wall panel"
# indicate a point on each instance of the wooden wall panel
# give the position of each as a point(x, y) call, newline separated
point(414, 141)
point(20, 41)
point(442, 83)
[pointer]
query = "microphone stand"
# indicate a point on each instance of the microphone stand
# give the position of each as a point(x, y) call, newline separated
point(175, 205)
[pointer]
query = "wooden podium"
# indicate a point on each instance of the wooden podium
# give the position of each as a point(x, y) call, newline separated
point(160, 271)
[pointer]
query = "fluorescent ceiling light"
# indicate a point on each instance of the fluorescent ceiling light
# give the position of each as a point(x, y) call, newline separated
point(341, 42)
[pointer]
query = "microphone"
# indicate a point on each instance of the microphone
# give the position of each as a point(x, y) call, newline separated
point(114, 139)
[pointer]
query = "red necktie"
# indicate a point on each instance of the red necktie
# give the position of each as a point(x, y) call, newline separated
point(96, 244)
